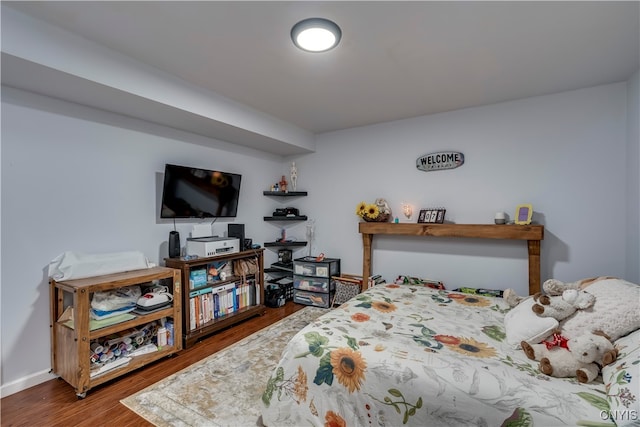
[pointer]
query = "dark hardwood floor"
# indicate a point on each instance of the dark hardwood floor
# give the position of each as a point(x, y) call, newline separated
point(54, 403)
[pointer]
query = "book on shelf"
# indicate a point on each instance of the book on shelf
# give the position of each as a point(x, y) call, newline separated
point(213, 302)
point(192, 316)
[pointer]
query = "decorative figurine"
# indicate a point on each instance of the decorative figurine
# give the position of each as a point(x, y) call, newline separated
point(294, 176)
point(283, 184)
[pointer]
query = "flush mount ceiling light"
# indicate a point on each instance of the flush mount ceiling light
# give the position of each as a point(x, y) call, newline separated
point(316, 35)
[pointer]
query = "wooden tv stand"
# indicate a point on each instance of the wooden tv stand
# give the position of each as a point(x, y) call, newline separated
point(533, 234)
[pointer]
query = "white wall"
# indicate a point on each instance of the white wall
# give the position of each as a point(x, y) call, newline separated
point(633, 180)
point(84, 180)
point(564, 153)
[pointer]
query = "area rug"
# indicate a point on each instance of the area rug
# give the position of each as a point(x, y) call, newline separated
point(225, 388)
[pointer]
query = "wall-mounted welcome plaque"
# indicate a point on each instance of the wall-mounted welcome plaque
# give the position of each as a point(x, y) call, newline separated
point(440, 161)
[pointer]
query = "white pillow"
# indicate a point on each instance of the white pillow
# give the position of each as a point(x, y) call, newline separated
point(615, 311)
point(522, 324)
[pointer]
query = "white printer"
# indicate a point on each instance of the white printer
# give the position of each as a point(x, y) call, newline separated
point(212, 246)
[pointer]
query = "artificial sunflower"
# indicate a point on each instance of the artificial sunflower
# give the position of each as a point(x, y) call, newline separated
point(361, 209)
point(372, 211)
point(348, 367)
point(471, 347)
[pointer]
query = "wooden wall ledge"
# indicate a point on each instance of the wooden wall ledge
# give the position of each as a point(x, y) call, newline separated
point(533, 234)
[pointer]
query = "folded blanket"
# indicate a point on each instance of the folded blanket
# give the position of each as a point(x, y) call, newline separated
point(74, 265)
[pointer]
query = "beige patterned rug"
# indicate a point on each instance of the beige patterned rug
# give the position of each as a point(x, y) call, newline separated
point(225, 388)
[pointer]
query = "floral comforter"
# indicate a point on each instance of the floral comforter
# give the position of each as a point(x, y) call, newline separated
point(408, 355)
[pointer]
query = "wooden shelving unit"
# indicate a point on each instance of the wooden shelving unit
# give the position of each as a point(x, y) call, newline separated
point(70, 342)
point(533, 234)
point(191, 336)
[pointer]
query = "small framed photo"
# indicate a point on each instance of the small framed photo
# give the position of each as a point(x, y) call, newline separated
point(523, 214)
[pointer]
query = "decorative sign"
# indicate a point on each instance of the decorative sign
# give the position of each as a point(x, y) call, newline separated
point(432, 215)
point(439, 161)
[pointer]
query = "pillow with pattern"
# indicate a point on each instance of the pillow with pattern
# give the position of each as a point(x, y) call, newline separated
point(622, 381)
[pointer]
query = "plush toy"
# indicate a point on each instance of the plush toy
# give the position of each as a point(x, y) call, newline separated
point(383, 206)
point(556, 287)
point(562, 306)
point(580, 357)
point(614, 312)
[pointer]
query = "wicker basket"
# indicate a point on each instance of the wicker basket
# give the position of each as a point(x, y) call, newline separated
point(379, 218)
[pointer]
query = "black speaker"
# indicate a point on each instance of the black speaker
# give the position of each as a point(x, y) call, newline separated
point(237, 231)
point(247, 244)
point(174, 244)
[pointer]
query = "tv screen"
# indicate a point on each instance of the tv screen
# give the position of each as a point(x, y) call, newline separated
point(199, 193)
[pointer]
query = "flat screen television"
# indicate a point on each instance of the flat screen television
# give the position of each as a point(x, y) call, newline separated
point(199, 193)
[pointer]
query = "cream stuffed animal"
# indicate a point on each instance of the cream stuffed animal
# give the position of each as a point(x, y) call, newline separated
point(562, 306)
point(383, 206)
point(614, 312)
point(579, 357)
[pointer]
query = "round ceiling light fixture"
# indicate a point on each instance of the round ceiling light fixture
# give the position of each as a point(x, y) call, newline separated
point(316, 34)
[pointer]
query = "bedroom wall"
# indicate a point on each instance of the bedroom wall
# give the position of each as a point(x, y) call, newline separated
point(564, 153)
point(633, 181)
point(78, 179)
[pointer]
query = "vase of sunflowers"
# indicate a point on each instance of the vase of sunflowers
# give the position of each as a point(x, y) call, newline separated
point(374, 212)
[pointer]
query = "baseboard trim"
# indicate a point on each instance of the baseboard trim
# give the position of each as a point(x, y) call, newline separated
point(25, 383)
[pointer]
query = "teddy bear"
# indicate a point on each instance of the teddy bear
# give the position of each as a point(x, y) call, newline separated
point(579, 356)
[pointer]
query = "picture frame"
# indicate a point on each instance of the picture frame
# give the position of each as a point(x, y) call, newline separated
point(524, 212)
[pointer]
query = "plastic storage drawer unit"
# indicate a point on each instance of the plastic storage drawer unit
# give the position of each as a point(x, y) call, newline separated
point(308, 266)
point(314, 284)
point(316, 299)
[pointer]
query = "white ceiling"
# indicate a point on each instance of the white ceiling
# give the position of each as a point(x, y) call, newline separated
point(396, 59)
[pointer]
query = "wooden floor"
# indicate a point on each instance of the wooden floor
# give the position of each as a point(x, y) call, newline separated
point(54, 403)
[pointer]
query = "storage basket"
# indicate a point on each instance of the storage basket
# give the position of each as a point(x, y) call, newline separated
point(379, 218)
point(347, 287)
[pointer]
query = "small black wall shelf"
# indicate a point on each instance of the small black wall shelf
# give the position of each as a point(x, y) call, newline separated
point(284, 193)
point(286, 218)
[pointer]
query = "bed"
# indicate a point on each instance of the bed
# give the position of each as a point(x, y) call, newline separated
point(400, 354)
